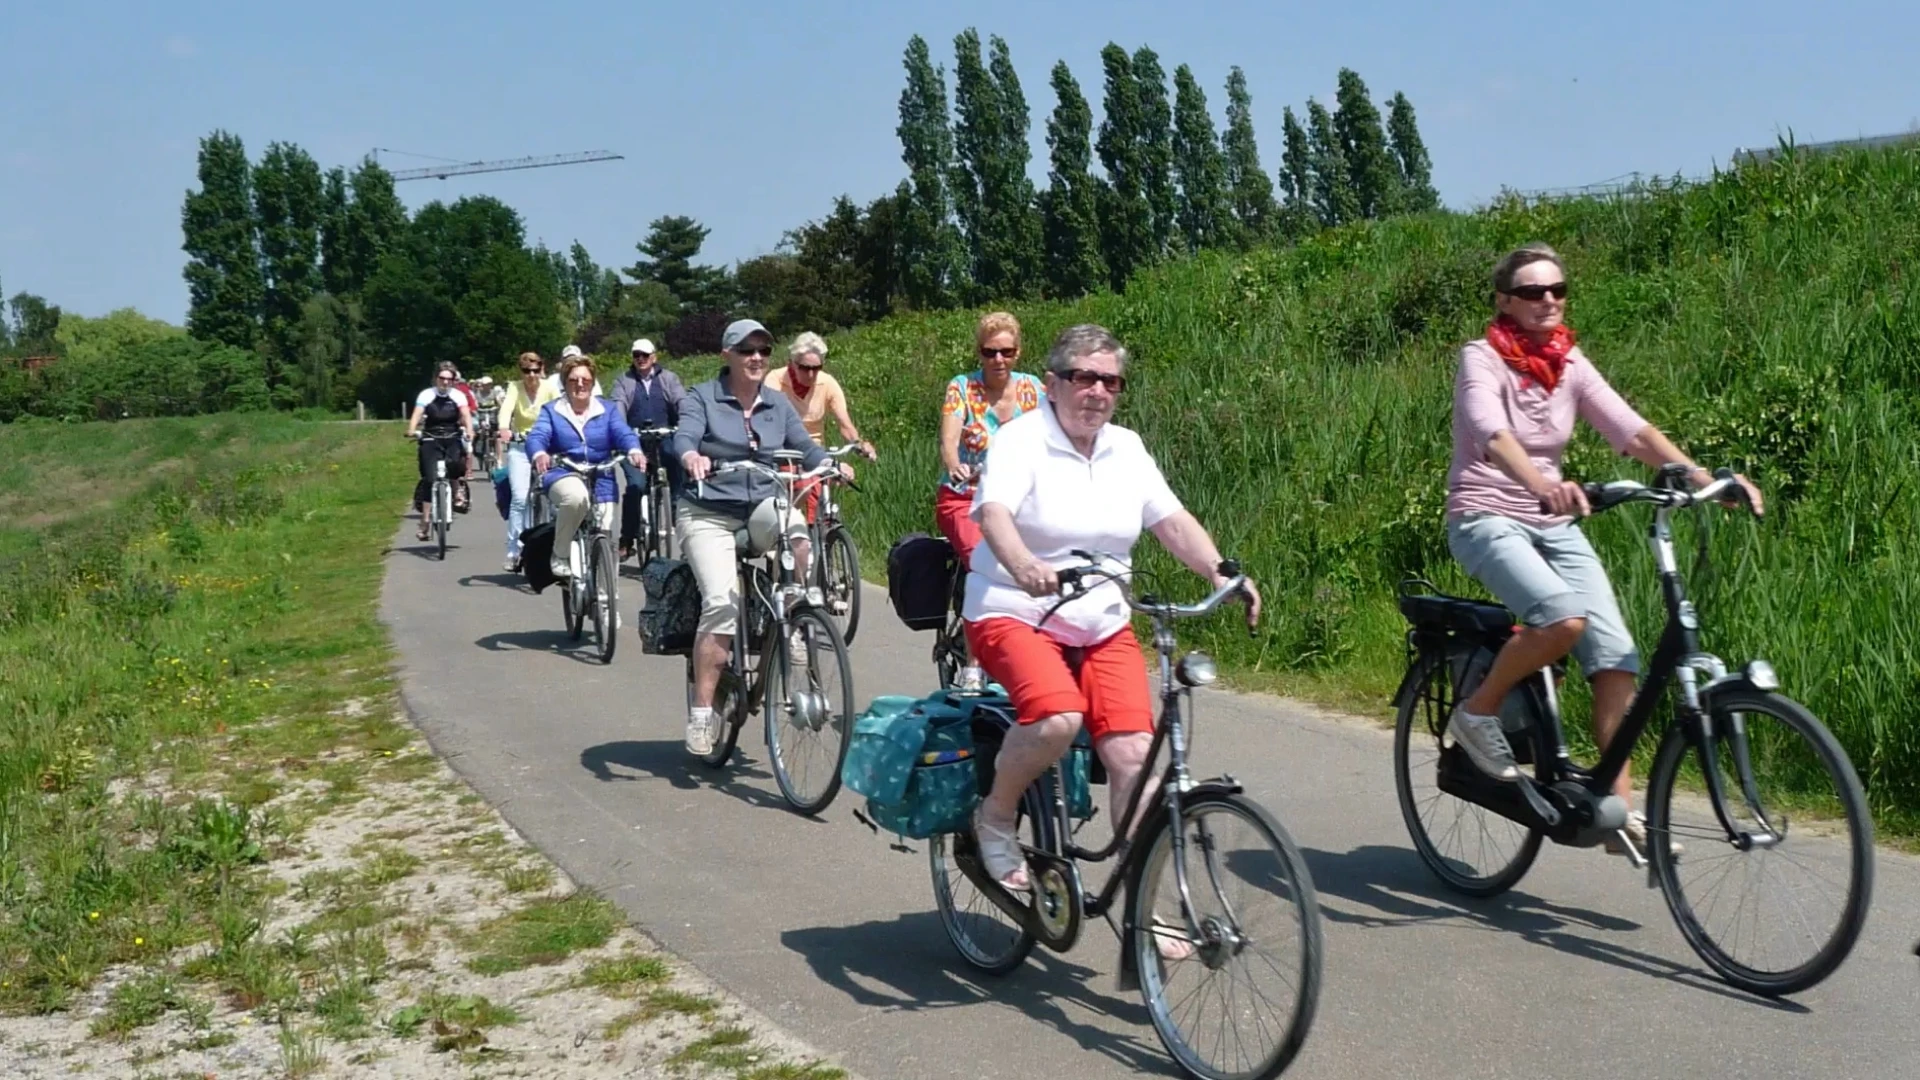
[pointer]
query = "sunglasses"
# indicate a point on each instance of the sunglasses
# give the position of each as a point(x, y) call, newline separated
point(1536, 293)
point(579, 382)
point(810, 367)
point(753, 350)
point(534, 370)
point(443, 378)
point(1010, 354)
point(638, 355)
point(1083, 379)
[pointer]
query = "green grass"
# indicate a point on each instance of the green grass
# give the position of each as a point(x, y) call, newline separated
point(1299, 401)
point(622, 976)
point(545, 931)
point(187, 608)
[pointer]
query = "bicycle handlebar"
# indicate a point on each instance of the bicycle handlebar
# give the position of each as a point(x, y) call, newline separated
point(1107, 568)
point(587, 468)
point(1724, 488)
point(769, 472)
point(653, 432)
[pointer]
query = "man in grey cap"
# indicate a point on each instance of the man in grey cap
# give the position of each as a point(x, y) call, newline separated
point(649, 397)
point(732, 419)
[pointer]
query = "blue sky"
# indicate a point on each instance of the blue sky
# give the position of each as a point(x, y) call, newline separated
point(752, 116)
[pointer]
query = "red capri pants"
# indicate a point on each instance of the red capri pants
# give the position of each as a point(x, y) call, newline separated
point(1111, 690)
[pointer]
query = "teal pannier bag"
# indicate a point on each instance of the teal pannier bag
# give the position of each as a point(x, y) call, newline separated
point(913, 760)
point(1079, 769)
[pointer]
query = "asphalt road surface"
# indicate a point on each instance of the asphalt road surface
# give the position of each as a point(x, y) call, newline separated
point(829, 929)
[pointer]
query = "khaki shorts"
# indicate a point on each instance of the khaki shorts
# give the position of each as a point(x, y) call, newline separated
point(708, 544)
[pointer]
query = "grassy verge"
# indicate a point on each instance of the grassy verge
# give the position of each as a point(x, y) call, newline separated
point(1299, 400)
point(223, 850)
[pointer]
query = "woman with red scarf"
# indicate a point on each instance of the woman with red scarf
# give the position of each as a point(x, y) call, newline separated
point(1511, 517)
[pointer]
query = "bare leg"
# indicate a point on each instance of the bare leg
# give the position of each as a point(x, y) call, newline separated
point(1125, 756)
point(1525, 653)
point(1029, 750)
point(710, 654)
point(1612, 693)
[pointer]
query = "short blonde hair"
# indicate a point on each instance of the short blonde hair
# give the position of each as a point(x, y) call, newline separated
point(996, 322)
point(808, 342)
point(571, 362)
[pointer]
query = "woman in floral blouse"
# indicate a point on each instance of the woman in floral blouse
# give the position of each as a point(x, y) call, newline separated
point(976, 405)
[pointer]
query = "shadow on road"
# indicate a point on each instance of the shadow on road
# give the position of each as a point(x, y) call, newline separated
point(430, 550)
point(1392, 888)
point(504, 580)
point(553, 641)
point(664, 759)
point(908, 965)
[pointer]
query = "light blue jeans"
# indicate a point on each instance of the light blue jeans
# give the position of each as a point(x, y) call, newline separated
point(519, 478)
point(1547, 576)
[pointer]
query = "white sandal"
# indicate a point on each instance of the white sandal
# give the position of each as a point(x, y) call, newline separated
point(1000, 854)
point(1171, 940)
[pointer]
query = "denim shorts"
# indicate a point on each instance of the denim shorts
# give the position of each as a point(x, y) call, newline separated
point(1547, 575)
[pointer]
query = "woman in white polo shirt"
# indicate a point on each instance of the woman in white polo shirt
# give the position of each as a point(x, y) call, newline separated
point(1059, 478)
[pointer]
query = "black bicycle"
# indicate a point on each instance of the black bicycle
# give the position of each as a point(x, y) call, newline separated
point(1730, 732)
point(836, 563)
point(952, 657)
point(656, 501)
point(592, 590)
point(803, 681)
point(1218, 903)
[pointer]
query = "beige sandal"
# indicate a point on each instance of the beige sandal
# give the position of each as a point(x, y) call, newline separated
point(1171, 941)
point(1000, 854)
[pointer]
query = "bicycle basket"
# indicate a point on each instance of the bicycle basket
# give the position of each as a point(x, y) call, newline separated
point(672, 615)
point(920, 580)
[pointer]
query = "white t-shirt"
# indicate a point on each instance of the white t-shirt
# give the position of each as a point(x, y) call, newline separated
point(1062, 500)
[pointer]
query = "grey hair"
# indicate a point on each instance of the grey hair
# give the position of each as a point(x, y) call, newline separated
point(1525, 255)
point(446, 365)
point(808, 342)
point(1080, 341)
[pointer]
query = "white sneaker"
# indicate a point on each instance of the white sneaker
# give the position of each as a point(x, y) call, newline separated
point(510, 565)
point(1636, 830)
point(700, 732)
point(1485, 743)
point(560, 569)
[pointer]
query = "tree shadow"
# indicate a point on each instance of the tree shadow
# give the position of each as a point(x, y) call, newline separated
point(557, 642)
point(908, 965)
point(1393, 888)
point(664, 759)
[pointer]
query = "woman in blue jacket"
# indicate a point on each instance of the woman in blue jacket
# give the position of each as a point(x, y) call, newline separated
point(586, 427)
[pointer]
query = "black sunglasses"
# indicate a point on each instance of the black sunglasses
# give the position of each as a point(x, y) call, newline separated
point(1536, 293)
point(534, 370)
point(1084, 379)
point(753, 350)
point(810, 367)
point(1010, 354)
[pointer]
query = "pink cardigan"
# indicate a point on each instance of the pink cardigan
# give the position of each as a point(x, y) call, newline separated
point(1488, 398)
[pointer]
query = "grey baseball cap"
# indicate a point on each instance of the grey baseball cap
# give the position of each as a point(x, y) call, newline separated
point(740, 330)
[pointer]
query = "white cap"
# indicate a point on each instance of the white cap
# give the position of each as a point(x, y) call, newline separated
point(570, 352)
point(644, 346)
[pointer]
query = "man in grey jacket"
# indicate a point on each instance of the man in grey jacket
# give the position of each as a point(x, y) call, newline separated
point(732, 418)
point(649, 396)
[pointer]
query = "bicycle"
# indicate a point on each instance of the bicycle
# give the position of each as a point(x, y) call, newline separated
point(1721, 723)
point(836, 564)
point(485, 431)
point(657, 500)
point(952, 656)
point(1211, 930)
point(440, 511)
point(778, 620)
point(592, 588)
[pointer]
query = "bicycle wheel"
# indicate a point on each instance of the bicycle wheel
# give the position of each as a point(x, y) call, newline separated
point(605, 598)
point(572, 601)
point(660, 528)
point(1747, 913)
point(985, 936)
point(809, 706)
point(729, 714)
point(840, 580)
point(1236, 1002)
point(1469, 847)
point(442, 516)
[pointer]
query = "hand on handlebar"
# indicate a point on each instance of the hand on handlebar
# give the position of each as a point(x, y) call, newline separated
point(1753, 499)
point(1037, 578)
point(846, 471)
point(542, 461)
point(1564, 498)
point(698, 465)
point(1250, 593)
point(637, 459)
point(867, 451)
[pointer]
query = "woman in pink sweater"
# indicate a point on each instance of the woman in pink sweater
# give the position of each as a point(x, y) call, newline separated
point(1510, 515)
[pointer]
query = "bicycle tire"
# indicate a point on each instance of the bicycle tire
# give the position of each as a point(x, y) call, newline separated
point(817, 709)
point(1414, 722)
point(840, 578)
point(729, 713)
point(571, 607)
point(1286, 877)
point(606, 596)
point(947, 877)
point(1831, 758)
point(660, 528)
point(442, 515)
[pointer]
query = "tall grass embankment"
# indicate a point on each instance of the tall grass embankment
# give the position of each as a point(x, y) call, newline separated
point(1299, 400)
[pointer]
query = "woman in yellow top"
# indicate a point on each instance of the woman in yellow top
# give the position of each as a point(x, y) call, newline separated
point(518, 410)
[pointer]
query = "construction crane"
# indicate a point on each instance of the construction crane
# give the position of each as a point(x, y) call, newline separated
point(462, 168)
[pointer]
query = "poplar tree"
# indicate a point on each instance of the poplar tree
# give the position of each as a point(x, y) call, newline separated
point(1332, 193)
point(1372, 173)
point(1074, 265)
point(932, 252)
point(1156, 149)
point(1126, 219)
point(1416, 170)
point(289, 203)
point(1015, 202)
point(1296, 178)
point(223, 253)
point(1249, 191)
point(1205, 219)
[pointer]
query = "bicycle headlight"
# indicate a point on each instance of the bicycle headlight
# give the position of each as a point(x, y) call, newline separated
point(1760, 674)
point(1196, 669)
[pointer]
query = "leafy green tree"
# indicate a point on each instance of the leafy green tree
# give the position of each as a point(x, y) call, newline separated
point(376, 221)
point(91, 341)
point(671, 245)
point(509, 306)
point(880, 258)
point(327, 345)
point(1156, 149)
point(1126, 218)
point(35, 325)
point(1249, 191)
point(289, 201)
point(1014, 203)
point(976, 141)
point(334, 210)
point(628, 311)
point(1416, 169)
point(1074, 263)
point(1296, 178)
point(932, 250)
point(223, 254)
point(829, 282)
point(1206, 218)
point(1332, 196)
point(1372, 172)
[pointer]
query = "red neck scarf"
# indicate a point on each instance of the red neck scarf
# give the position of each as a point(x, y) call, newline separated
point(1541, 363)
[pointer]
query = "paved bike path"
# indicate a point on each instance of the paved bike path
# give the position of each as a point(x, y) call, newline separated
point(827, 928)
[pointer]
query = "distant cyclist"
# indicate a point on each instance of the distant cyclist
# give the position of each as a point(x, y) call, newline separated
point(584, 426)
point(1510, 514)
point(649, 396)
point(519, 408)
point(732, 418)
point(815, 395)
point(441, 418)
point(976, 405)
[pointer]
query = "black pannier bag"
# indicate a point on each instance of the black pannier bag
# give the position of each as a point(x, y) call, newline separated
point(920, 571)
point(672, 615)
